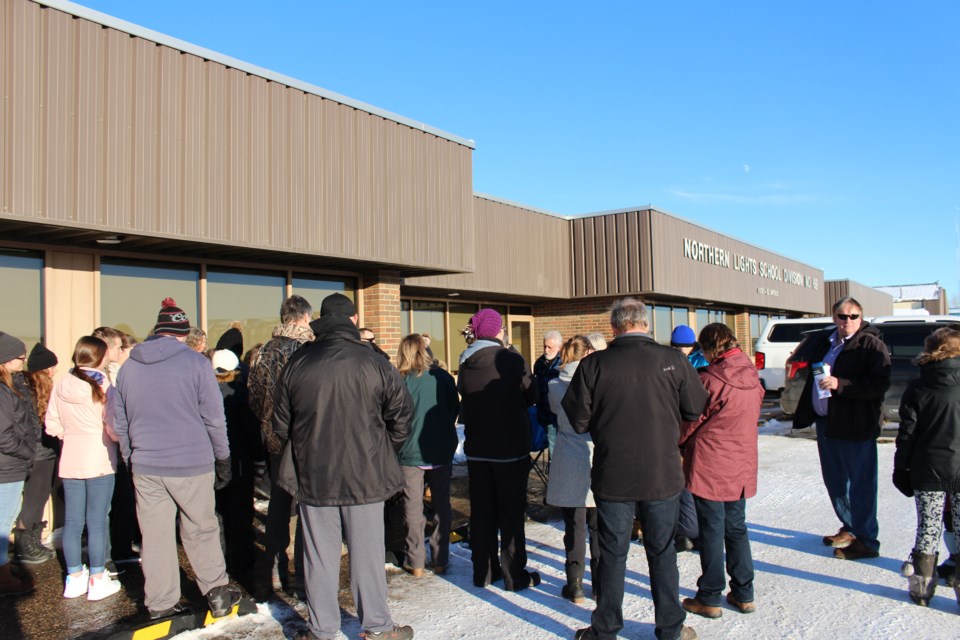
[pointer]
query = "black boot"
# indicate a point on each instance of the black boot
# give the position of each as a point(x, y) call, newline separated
point(27, 548)
point(922, 582)
point(573, 590)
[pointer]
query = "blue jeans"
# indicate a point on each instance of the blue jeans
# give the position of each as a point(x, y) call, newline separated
point(849, 470)
point(10, 493)
point(723, 524)
point(659, 521)
point(87, 501)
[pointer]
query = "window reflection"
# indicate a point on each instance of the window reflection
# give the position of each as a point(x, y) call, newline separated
point(428, 318)
point(460, 314)
point(316, 288)
point(131, 293)
point(21, 286)
point(253, 299)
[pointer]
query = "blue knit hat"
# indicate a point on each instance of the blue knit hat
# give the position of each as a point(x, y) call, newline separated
point(683, 336)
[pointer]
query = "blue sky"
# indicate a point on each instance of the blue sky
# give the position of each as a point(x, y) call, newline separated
point(825, 131)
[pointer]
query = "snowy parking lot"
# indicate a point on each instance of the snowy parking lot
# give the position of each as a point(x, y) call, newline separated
point(802, 591)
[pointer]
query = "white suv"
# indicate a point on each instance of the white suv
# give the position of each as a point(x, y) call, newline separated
point(775, 344)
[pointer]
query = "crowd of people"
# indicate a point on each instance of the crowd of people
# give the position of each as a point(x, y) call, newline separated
point(148, 437)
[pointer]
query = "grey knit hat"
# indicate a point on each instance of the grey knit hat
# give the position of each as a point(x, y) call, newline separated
point(11, 348)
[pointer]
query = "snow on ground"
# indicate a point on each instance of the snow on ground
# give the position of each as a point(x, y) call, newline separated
point(802, 592)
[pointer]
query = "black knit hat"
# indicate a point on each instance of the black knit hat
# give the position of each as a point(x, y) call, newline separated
point(337, 304)
point(171, 321)
point(41, 358)
point(231, 339)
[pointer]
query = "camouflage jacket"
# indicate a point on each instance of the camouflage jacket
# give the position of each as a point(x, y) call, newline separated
point(265, 372)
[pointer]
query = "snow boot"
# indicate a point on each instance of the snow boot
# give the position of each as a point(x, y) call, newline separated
point(922, 582)
point(27, 547)
point(573, 590)
point(947, 570)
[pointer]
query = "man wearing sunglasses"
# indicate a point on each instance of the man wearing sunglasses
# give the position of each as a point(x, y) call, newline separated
point(848, 418)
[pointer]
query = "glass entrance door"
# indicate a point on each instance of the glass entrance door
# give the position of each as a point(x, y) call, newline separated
point(521, 332)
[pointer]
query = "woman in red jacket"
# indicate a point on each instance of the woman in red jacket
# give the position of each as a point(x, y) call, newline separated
point(720, 465)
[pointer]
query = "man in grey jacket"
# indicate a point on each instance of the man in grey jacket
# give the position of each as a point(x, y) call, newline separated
point(173, 436)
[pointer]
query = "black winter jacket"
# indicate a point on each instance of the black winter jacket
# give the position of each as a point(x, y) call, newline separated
point(496, 390)
point(18, 431)
point(863, 370)
point(632, 397)
point(346, 412)
point(928, 443)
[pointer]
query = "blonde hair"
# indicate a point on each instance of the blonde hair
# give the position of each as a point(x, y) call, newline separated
point(41, 383)
point(412, 356)
point(941, 344)
point(574, 349)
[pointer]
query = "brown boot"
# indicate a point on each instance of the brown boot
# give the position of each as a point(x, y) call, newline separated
point(14, 581)
point(742, 607)
point(840, 540)
point(923, 582)
point(692, 605)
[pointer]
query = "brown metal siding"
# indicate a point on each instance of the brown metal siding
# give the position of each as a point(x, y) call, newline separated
point(875, 303)
point(519, 252)
point(608, 259)
point(105, 130)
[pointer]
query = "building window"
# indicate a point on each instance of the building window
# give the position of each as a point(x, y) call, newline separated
point(21, 282)
point(131, 293)
point(405, 319)
point(680, 316)
point(460, 314)
point(703, 319)
point(662, 325)
point(252, 299)
point(316, 287)
point(428, 317)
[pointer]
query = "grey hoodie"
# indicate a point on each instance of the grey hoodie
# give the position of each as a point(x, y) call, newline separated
point(169, 411)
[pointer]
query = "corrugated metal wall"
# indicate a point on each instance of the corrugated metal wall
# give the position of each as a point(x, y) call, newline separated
point(519, 252)
point(875, 303)
point(611, 254)
point(102, 129)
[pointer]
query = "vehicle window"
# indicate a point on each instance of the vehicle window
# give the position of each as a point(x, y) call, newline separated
point(792, 332)
point(906, 342)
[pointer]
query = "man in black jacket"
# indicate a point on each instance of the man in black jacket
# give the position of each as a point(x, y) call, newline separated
point(632, 397)
point(342, 411)
point(848, 423)
point(497, 389)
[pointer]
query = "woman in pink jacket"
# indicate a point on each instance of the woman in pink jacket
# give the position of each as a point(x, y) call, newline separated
point(720, 465)
point(80, 412)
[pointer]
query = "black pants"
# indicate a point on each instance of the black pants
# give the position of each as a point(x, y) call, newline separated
point(235, 507)
point(579, 524)
point(124, 527)
point(498, 501)
point(36, 492)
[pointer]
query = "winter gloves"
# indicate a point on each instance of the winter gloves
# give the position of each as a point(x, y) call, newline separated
point(901, 480)
point(223, 474)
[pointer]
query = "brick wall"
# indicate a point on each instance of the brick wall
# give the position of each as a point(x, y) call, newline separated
point(380, 308)
point(571, 317)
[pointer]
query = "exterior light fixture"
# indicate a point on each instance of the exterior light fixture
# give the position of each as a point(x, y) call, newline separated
point(114, 239)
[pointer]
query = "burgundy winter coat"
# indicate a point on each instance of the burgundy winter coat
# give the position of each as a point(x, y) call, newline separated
point(720, 448)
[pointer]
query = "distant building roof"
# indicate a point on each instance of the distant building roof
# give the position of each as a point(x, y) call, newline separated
point(904, 292)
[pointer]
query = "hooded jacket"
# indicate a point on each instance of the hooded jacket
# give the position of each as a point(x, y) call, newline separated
point(18, 430)
point(569, 482)
point(89, 443)
point(720, 447)
point(341, 412)
point(928, 442)
point(632, 397)
point(496, 391)
point(854, 411)
point(169, 411)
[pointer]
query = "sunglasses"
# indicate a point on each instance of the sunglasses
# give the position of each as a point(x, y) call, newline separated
point(850, 316)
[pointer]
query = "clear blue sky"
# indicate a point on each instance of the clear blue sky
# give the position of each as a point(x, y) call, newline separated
point(825, 131)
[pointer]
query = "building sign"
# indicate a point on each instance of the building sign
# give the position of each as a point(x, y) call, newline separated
point(725, 259)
